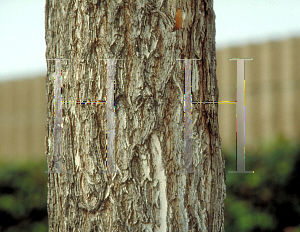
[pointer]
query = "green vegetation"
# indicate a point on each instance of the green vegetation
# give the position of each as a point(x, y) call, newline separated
point(23, 196)
point(269, 199)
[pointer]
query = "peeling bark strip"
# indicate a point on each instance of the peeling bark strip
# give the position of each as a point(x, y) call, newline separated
point(162, 184)
point(57, 144)
point(240, 120)
point(188, 118)
point(148, 194)
point(110, 116)
point(57, 118)
point(188, 141)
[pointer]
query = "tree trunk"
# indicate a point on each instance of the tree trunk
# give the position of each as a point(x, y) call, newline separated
point(149, 193)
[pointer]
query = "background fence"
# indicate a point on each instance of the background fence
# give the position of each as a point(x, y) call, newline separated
point(272, 100)
point(272, 91)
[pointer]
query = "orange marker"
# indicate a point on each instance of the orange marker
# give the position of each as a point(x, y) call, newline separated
point(178, 19)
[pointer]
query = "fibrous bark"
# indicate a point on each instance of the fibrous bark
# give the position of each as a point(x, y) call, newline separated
point(148, 194)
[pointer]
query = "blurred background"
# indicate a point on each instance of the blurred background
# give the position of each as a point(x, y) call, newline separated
point(267, 31)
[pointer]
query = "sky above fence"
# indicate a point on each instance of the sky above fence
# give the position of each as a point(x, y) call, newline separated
point(22, 37)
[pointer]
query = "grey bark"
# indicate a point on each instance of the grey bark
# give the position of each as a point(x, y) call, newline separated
point(149, 122)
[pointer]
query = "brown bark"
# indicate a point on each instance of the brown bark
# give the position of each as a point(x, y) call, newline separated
point(149, 117)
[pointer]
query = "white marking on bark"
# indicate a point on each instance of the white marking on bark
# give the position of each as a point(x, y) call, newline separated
point(77, 161)
point(162, 184)
point(107, 191)
point(123, 120)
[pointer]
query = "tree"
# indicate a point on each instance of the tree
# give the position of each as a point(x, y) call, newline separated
point(148, 194)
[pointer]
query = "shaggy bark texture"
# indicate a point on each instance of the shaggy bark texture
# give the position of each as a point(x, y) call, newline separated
point(148, 194)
